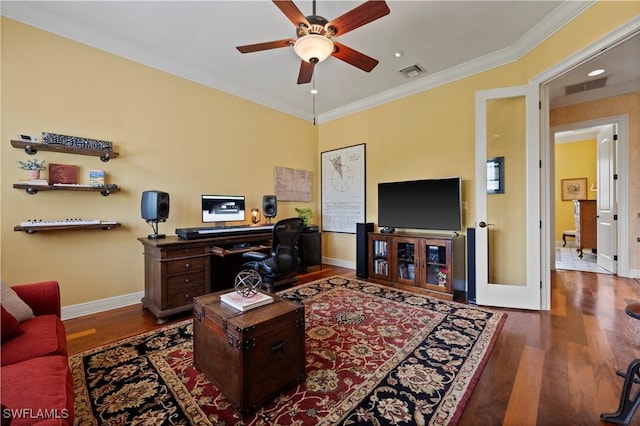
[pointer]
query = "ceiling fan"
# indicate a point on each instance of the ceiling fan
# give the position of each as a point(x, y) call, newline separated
point(315, 36)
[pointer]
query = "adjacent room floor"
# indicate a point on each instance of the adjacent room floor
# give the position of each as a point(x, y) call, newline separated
point(567, 258)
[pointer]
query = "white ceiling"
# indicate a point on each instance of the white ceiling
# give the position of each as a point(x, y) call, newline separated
point(196, 40)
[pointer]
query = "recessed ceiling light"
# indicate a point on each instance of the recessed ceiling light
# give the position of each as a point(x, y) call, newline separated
point(398, 54)
point(595, 72)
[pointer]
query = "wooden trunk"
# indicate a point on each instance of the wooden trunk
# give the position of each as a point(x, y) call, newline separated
point(250, 356)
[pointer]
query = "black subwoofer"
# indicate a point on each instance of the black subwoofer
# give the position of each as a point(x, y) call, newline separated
point(154, 206)
point(362, 249)
point(471, 265)
point(269, 206)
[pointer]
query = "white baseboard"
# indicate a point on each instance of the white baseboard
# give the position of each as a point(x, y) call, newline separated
point(101, 305)
point(339, 262)
point(95, 306)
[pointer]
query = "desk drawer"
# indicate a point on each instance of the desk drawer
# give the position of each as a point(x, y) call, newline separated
point(182, 266)
point(186, 251)
point(182, 289)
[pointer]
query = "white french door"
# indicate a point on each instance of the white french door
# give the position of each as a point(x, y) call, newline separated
point(607, 209)
point(508, 223)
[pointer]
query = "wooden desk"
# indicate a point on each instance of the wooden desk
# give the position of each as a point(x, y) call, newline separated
point(176, 271)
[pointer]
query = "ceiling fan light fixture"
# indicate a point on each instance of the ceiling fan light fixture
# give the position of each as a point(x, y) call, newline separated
point(313, 48)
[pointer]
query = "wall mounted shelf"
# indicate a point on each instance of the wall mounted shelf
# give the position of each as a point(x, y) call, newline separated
point(32, 148)
point(107, 225)
point(34, 189)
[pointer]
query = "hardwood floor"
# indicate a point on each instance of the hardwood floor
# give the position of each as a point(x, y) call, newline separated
point(555, 367)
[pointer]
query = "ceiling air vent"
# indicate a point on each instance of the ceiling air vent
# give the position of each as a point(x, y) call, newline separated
point(585, 85)
point(412, 71)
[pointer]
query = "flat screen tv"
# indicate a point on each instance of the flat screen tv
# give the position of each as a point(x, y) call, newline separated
point(434, 204)
point(222, 208)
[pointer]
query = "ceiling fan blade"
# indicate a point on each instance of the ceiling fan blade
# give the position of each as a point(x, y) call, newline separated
point(353, 57)
point(306, 72)
point(359, 16)
point(291, 11)
point(265, 46)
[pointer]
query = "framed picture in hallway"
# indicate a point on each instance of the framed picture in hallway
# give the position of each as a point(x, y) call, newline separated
point(574, 189)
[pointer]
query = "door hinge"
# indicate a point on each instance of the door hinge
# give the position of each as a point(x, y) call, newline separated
point(615, 176)
point(615, 258)
point(540, 224)
point(540, 164)
point(540, 284)
point(615, 136)
point(615, 217)
point(539, 104)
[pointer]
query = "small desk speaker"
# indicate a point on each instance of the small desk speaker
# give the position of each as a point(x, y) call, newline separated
point(269, 206)
point(154, 206)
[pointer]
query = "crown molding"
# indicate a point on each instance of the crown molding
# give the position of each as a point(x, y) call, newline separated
point(564, 14)
point(29, 14)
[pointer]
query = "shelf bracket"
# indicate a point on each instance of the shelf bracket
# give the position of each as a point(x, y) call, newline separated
point(31, 190)
point(28, 149)
point(107, 190)
point(104, 158)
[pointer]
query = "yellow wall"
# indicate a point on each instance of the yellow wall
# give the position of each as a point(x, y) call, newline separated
point(172, 135)
point(186, 139)
point(573, 160)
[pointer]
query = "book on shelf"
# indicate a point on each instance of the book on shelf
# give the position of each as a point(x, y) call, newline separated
point(96, 178)
point(241, 303)
point(34, 182)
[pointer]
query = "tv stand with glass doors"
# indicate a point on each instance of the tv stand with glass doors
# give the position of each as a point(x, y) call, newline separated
point(431, 262)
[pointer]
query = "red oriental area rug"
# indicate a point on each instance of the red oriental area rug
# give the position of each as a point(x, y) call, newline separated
point(374, 355)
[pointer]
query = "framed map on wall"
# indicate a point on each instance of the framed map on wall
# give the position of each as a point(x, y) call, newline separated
point(343, 188)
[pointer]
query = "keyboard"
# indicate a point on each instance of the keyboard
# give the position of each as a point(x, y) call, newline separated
point(221, 231)
point(65, 222)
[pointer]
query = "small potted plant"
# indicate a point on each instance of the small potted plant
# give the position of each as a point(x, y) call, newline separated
point(304, 214)
point(33, 167)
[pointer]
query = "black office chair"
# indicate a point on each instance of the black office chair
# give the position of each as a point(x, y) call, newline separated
point(281, 267)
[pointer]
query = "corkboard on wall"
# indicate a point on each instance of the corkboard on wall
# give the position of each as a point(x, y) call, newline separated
point(292, 184)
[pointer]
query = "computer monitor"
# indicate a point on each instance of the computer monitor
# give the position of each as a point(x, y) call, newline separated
point(223, 208)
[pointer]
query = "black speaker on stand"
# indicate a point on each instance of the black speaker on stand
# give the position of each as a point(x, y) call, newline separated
point(471, 265)
point(269, 207)
point(154, 208)
point(362, 249)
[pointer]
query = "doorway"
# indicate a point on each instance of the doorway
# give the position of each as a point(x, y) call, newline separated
point(616, 165)
point(586, 150)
